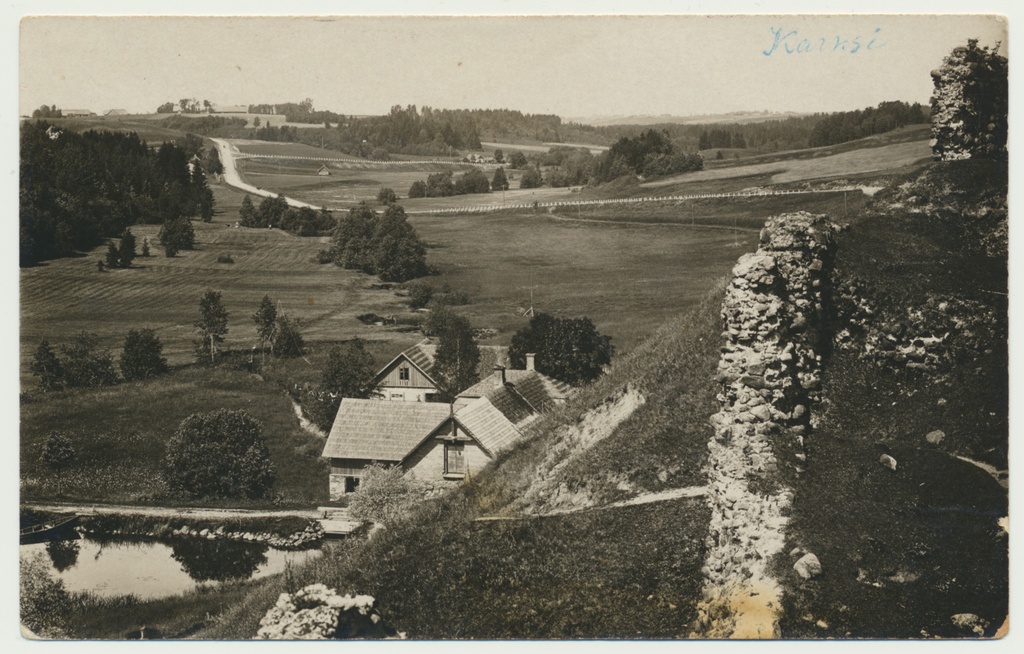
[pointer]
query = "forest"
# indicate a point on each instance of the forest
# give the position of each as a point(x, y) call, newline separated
point(78, 189)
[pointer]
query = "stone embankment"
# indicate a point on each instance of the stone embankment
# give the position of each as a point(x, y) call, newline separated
point(313, 533)
point(777, 315)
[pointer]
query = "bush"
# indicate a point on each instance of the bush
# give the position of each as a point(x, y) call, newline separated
point(420, 295)
point(386, 195)
point(385, 495)
point(225, 258)
point(45, 603)
point(58, 452)
point(220, 454)
point(142, 355)
point(78, 365)
point(177, 235)
point(531, 178)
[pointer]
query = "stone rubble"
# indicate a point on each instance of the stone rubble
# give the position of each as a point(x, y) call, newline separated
point(776, 313)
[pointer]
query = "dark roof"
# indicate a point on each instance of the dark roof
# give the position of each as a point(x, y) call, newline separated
point(511, 404)
point(539, 390)
point(487, 425)
point(380, 430)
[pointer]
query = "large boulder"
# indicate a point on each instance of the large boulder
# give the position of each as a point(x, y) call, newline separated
point(317, 612)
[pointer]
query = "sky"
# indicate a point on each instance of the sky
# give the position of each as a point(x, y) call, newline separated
point(572, 66)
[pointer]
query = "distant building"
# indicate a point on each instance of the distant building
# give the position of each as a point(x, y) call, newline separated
point(117, 112)
point(324, 171)
point(229, 109)
point(75, 113)
point(409, 376)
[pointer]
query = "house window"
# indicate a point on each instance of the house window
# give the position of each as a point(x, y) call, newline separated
point(403, 374)
point(351, 484)
point(454, 460)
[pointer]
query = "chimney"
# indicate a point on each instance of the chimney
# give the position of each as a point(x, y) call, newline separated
point(529, 361)
point(501, 371)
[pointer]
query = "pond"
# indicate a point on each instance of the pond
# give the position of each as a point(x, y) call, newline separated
point(151, 569)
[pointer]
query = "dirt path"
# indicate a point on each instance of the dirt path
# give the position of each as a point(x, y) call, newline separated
point(643, 498)
point(168, 512)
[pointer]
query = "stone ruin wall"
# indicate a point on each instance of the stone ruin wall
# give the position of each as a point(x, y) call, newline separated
point(776, 313)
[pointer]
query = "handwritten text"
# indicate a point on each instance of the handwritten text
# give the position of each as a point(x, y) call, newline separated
point(792, 42)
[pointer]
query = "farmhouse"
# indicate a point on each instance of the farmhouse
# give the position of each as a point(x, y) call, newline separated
point(432, 441)
point(409, 376)
point(435, 442)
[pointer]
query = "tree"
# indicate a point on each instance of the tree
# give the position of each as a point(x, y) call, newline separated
point(126, 249)
point(83, 366)
point(265, 318)
point(247, 213)
point(177, 235)
point(472, 181)
point(385, 495)
point(517, 160)
point(213, 163)
point(221, 454)
point(386, 195)
point(58, 451)
point(500, 181)
point(418, 189)
point(47, 367)
point(499, 156)
point(166, 108)
point(288, 340)
point(457, 357)
point(970, 104)
point(211, 326)
point(256, 121)
point(348, 372)
point(113, 260)
point(531, 178)
point(399, 254)
point(569, 349)
point(142, 355)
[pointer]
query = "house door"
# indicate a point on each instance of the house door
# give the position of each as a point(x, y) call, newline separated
point(454, 459)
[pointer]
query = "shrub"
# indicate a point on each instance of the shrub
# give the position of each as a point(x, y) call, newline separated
point(45, 603)
point(225, 258)
point(142, 355)
point(420, 295)
point(82, 366)
point(386, 195)
point(385, 495)
point(220, 454)
point(58, 452)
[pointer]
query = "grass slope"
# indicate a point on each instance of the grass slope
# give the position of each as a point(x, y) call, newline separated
point(904, 551)
point(628, 572)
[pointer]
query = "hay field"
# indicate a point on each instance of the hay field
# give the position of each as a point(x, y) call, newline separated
point(63, 297)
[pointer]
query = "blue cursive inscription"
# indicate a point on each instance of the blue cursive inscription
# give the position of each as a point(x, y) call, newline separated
point(791, 42)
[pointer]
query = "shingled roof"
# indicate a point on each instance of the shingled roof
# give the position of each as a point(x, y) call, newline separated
point(382, 431)
point(539, 390)
point(422, 356)
point(487, 425)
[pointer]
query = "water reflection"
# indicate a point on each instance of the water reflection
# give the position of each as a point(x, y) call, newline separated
point(63, 553)
point(152, 569)
point(218, 560)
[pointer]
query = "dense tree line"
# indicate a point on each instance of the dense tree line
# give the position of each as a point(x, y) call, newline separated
point(78, 189)
point(444, 184)
point(48, 112)
point(275, 212)
point(385, 245)
point(207, 125)
point(650, 153)
point(852, 125)
point(721, 138)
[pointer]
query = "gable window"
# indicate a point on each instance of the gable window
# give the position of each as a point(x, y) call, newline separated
point(454, 460)
point(403, 373)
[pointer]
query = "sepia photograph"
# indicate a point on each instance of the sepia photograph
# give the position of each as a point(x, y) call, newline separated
point(548, 326)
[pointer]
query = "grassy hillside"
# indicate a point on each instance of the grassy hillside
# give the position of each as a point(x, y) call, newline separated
point(617, 572)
